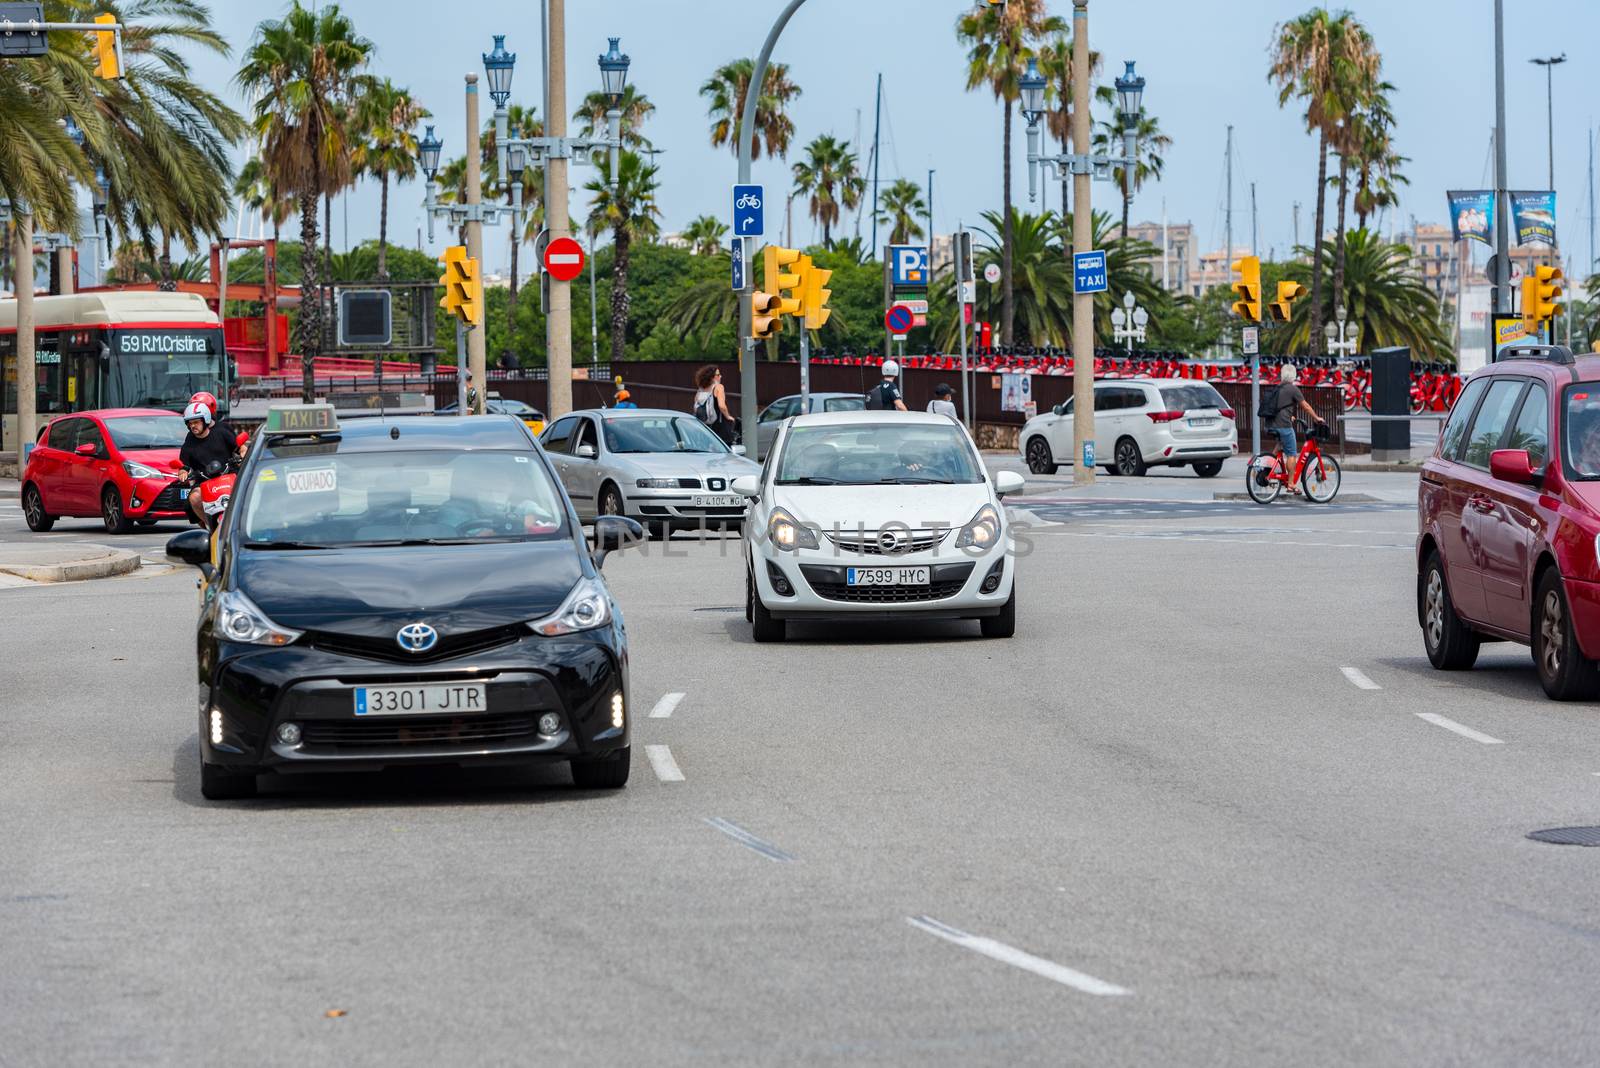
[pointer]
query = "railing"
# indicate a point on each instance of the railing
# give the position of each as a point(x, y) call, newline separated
point(1437, 417)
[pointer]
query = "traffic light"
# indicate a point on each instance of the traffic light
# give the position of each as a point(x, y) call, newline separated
point(1282, 309)
point(1248, 288)
point(765, 318)
point(105, 49)
point(463, 286)
point(813, 297)
point(779, 267)
point(1541, 293)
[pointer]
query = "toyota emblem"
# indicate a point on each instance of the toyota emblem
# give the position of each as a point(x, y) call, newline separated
point(417, 637)
point(889, 541)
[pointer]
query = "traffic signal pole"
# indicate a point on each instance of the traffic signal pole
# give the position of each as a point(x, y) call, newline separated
point(27, 369)
point(1502, 231)
point(1082, 241)
point(558, 339)
point(475, 343)
point(748, 406)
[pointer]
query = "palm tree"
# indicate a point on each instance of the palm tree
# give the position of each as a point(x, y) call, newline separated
point(300, 70)
point(903, 206)
point(828, 176)
point(387, 117)
point(704, 235)
point(853, 248)
point(999, 42)
point(701, 308)
point(635, 108)
point(725, 90)
point(252, 186)
point(630, 210)
point(1149, 144)
point(1316, 57)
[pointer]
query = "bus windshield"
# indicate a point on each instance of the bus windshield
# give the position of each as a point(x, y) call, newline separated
point(156, 368)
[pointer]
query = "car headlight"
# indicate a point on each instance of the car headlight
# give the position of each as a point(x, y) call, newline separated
point(585, 608)
point(657, 483)
point(982, 532)
point(239, 620)
point(787, 532)
point(139, 470)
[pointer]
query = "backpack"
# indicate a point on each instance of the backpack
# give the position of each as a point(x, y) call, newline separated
point(706, 410)
point(877, 399)
point(1269, 406)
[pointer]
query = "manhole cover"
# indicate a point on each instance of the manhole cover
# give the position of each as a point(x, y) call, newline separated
point(1582, 836)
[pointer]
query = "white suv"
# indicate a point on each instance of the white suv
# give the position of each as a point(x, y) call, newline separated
point(1139, 423)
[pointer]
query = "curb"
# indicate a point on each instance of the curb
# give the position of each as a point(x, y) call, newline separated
point(112, 562)
point(1353, 498)
point(1403, 469)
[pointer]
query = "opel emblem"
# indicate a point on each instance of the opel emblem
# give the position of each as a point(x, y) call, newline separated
point(889, 541)
point(417, 637)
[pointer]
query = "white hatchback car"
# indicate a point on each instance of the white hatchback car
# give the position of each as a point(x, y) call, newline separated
point(874, 516)
point(1139, 423)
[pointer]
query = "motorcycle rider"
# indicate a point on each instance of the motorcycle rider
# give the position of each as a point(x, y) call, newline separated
point(204, 443)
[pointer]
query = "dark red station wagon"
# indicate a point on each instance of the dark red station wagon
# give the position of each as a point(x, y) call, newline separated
point(1508, 512)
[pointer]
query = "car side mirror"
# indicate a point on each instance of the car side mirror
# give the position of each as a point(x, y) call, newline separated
point(611, 532)
point(1513, 465)
point(86, 449)
point(1007, 482)
point(746, 486)
point(586, 451)
point(176, 465)
point(1056, 409)
point(740, 450)
point(192, 547)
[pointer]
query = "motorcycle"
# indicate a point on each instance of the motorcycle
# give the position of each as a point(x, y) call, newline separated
point(215, 485)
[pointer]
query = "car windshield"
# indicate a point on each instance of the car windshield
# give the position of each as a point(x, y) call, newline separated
point(1188, 398)
point(516, 407)
point(340, 498)
point(856, 454)
point(660, 433)
point(147, 431)
point(1580, 431)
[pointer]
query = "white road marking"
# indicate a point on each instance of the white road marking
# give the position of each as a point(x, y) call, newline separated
point(999, 951)
point(665, 706)
point(666, 768)
point(1465, 731)
point(748, 840)
point(1359, 679)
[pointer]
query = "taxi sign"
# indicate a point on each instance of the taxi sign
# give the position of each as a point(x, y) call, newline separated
point(301, 419)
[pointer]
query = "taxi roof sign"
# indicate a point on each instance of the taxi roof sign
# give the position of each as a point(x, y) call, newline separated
point(301, 419)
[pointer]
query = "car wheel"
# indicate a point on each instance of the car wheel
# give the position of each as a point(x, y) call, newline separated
point(111, 513)
point(1208, 468)
point(1111, 469)
point(605, 773)
point(219, 784)
point(749, 596)
point(763, 628)
point(1566, 673)
point(610, 500)
point(1130, 461)
point(33, 511)
point(1451, 644)
point(1040, 462)
point(1003, 625)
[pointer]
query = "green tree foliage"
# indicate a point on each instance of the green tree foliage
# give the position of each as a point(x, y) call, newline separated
point(904, 210)
point(828, 178)
point(725, 91)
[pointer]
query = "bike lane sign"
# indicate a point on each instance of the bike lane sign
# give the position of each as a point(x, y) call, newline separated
point(748, 218)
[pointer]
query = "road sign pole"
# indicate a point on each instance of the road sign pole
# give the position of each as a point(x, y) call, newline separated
point(461, 368)
point(1082, 241)
point(1255, 404)
point(805, 368)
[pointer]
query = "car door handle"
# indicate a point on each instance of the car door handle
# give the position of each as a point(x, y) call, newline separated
point(1479, 503)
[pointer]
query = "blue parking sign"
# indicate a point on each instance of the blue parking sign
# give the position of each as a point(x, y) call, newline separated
point(1089, 272)
point(908, 266)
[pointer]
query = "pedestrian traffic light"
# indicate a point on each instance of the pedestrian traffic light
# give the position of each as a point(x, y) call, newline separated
point(1282, 309)
point(1248, 288)
point(778, 277)
point(463, 286)
point(813, 297)
point(1541, 295)
point(105, 49)
point(765, 318)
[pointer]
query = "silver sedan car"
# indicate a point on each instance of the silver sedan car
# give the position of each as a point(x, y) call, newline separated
point(663, 468)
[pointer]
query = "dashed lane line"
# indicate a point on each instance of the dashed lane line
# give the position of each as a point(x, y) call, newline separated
point(666, 768)
point(1018, 958)
point(748, 840)
point(1459, 728)
point(1358, 679)
point(665, 706)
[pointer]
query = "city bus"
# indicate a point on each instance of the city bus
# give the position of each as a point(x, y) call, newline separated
point(113, 349)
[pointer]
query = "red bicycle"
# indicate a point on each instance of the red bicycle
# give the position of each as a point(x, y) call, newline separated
point(1316, 473)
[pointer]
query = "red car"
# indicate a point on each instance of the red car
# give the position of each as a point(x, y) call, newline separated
point(115, 463)
point(1508, 517)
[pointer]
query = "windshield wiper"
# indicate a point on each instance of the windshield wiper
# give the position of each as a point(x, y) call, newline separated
point(914, 480)
point(285, 545)
point(389, 543)
point(809, 480)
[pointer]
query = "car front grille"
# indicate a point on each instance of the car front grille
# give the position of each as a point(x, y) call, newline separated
point(417, 730)
point(388, 650)
point(167, 500)
point(828, 582)
point(867, 544)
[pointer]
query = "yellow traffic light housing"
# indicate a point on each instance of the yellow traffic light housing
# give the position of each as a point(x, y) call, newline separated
point(105, 49)
point(463, 286)
point(779, 267)
point(1541, 296)
point(1247, 288)
point(1282, 309)
point(765, 317)
point(813, 297)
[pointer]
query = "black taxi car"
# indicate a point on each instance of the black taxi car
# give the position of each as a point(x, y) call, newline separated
point(405, 591)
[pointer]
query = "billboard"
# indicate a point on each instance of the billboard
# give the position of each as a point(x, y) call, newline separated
point(1533, 213)
point(1472, 214)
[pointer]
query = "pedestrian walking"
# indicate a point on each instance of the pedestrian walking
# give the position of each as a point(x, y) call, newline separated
point(885, 396)
point(711, 403)
point(941, 403)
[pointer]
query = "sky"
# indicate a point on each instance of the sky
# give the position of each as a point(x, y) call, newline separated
point(1205, 65)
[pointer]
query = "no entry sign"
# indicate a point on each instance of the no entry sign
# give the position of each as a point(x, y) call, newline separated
point(898, 319)
point(563, 258)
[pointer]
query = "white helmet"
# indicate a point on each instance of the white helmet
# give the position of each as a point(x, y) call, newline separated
point(891, 369)
point(197, 411)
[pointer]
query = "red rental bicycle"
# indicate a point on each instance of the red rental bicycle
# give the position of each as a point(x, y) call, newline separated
point(1317, 474)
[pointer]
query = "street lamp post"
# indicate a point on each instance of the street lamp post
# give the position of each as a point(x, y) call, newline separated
point(1128, 322)
point(1084, 167)
point(1343, 337)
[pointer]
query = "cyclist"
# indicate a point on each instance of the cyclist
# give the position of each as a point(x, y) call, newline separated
point(1289, 404)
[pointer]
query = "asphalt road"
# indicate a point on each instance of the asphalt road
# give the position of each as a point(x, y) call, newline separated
point(1191, 814)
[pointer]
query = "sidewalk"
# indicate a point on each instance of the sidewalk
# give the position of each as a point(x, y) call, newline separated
point(64, 563)
point(1362, 484)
